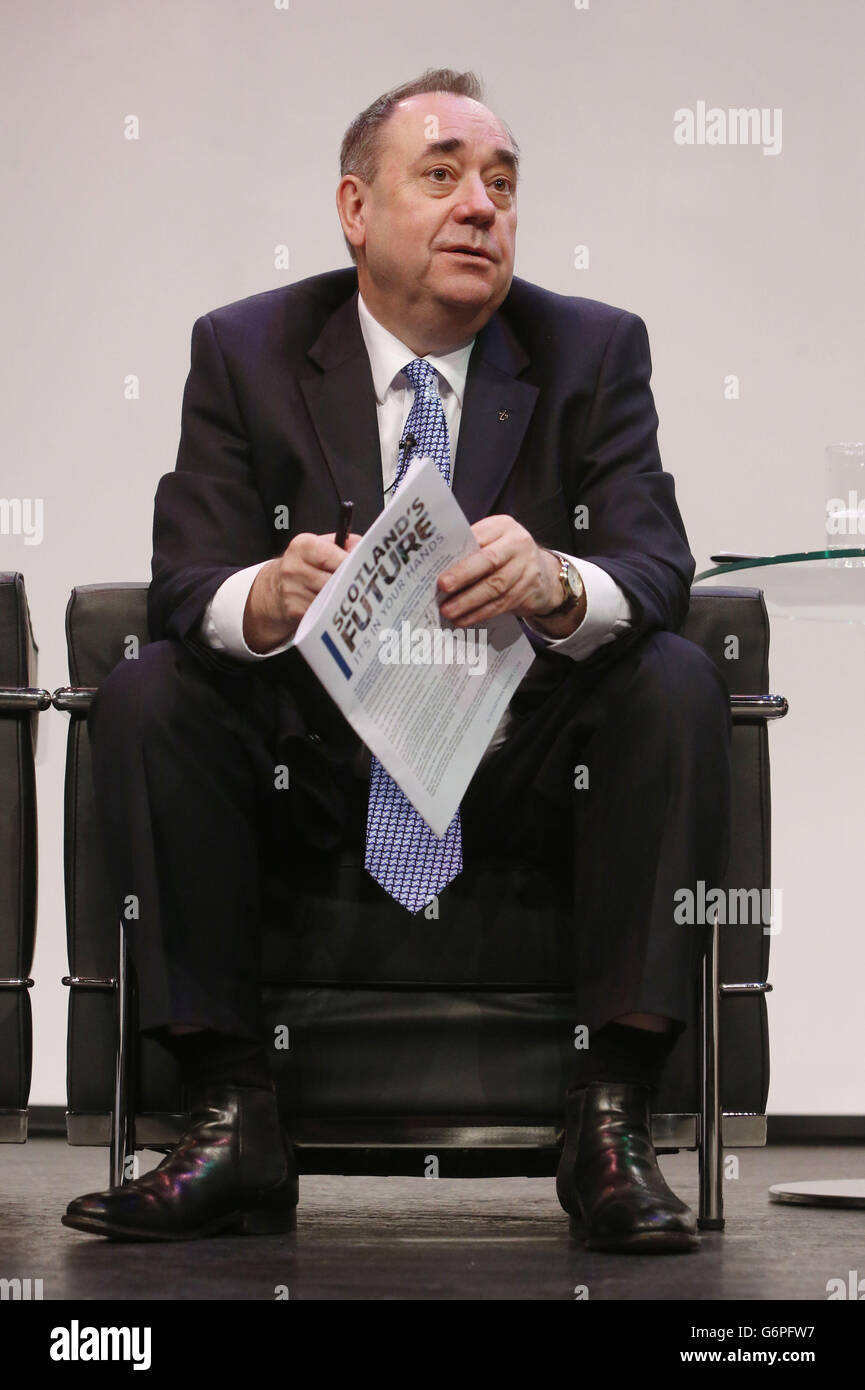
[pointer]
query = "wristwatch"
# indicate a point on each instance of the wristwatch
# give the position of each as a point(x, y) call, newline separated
point(572, 587)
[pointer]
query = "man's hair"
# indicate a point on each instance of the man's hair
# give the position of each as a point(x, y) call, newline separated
point(360, 151)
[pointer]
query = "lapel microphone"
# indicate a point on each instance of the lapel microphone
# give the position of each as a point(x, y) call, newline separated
point(408, 442)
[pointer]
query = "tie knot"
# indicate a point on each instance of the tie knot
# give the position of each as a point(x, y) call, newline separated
point(421, 374)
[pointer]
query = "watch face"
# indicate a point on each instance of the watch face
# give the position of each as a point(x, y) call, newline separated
point(575, 584)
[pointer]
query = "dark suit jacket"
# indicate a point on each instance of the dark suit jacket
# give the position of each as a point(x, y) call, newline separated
point(279, 412)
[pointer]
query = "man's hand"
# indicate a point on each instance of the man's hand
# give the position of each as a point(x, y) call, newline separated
point(509, 574)
point(284, 588)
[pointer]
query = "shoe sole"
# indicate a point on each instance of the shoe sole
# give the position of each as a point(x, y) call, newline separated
point(255, 1222)
point(642, 1243)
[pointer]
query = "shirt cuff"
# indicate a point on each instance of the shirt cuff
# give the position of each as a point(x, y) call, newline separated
point(222, 624)
point(608, 613)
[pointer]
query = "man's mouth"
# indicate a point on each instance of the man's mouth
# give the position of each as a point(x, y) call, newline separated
point(472, 252)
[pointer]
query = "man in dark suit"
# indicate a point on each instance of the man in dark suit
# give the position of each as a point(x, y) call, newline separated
point(537, 408)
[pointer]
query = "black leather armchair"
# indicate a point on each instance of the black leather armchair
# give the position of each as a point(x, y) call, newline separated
point(20, 703)
point(448, 1037)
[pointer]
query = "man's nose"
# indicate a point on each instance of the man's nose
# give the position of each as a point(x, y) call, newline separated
point(475, 204)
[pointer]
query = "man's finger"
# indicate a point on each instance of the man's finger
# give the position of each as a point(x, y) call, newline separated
point(492, 556)
point(500, 537)
point(501, 588)
point(322, 553)
point(468, 571)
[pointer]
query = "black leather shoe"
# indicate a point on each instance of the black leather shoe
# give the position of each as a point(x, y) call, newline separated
point(609, 1180)
point(231, 1173)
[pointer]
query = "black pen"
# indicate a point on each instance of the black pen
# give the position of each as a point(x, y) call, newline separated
point(343, 526)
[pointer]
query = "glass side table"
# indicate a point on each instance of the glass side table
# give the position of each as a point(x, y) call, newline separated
point(810, 582)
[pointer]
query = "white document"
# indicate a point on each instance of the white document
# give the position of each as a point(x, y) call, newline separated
point(424, 696)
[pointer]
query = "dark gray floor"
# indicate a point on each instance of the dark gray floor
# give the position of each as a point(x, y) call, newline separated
point(413, 1238)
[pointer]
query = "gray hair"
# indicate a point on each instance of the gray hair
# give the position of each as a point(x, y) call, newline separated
point(361, 145)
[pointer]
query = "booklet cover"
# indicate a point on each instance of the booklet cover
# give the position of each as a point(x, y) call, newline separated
point(423, 695)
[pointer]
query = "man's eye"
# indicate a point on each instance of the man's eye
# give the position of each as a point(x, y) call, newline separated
point(503, 180)
point(433, 172)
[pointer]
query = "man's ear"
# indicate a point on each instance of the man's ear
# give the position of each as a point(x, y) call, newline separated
point(351, 197)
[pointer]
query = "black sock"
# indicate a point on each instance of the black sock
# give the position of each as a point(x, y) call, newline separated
point(208, 1058)
point(619, 1053)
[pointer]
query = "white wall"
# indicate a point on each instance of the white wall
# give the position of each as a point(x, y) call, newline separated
point(740, 262)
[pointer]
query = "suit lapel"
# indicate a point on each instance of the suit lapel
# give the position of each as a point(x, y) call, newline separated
point(341, 402)
point(495, 415)
point(496, 411)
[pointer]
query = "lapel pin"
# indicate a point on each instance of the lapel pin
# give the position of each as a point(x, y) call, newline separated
point(503, 415)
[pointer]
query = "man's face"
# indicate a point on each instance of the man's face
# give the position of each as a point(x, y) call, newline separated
point(440, 217)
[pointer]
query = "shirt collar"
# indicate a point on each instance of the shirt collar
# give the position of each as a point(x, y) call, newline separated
point(388, 356)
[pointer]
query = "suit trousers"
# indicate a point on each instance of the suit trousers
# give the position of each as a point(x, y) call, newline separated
point(614, 778)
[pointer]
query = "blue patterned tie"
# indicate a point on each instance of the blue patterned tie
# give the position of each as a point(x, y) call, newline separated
point(402, 853)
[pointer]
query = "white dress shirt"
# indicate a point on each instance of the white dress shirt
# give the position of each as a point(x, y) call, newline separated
point(608, 611)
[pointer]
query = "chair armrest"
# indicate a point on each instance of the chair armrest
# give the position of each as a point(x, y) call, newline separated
point(100, 619)
point(732, 627)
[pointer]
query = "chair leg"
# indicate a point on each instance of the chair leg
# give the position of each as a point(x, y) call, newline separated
point(711, 1212)
point(123, 1112)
